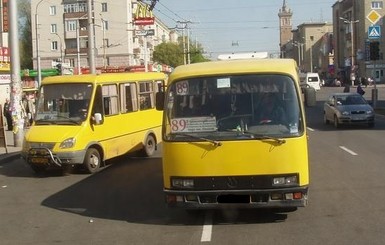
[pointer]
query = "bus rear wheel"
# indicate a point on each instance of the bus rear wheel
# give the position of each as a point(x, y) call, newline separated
point(149, 146)
point(92, 161)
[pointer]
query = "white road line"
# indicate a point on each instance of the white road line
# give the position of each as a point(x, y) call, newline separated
point(310, 129)
point(347, 150)
point(207, 227)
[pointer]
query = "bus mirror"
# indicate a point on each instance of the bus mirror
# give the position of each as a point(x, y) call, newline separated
point(159, 101)
point(98, 118)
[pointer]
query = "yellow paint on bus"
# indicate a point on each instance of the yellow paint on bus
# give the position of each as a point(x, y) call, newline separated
point(87, 119)
point(218, 151)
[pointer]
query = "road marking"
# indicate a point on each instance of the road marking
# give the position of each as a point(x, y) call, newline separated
point(207, 227)
point(310, 129)
point(347, 150)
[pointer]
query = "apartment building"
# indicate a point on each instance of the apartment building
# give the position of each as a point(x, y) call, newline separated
point(61, 34)
point(313, 47)
point(357, 23)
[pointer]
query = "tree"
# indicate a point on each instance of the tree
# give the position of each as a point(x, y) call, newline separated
point(25, 33)
point(172, 53)
point(168, 53)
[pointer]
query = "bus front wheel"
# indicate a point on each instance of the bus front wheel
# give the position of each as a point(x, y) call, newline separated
point(92, 160)
point(149, 146)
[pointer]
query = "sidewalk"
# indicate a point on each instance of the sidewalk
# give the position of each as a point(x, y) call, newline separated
point(11, 152)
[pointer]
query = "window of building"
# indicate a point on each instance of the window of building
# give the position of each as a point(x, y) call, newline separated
point(70, 25)
point(146, 95)
point(105, 24)
point(128, 95)
point(52, 10)
point(72, 62)
point(54, 45)
point(75, 7)
point(104, 7)
point(377, 5)
point(110, 99)
point(53, 28)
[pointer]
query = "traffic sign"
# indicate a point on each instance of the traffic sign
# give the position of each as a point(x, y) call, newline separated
point(374, 32)
point(373, 16)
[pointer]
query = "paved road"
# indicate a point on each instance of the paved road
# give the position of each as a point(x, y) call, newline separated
point(123, 204)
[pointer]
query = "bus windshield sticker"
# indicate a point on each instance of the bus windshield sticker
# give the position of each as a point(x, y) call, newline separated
point(182, 88)
point(223, 82)
point(193, 124)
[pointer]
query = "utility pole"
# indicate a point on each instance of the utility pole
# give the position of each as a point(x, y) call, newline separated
point(16, 88)
point(91, 37)
point(38, 62)
point(185, 52)
point(352, 64)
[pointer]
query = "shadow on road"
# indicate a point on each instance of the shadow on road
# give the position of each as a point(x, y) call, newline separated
point(131, 190)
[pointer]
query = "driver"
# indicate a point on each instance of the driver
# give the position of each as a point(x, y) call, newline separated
point(270, 110)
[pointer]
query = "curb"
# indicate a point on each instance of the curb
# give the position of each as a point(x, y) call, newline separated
point(9, 157)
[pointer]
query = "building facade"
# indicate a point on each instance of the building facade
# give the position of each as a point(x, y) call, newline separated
point(357, 23)
point(312, 48)
point(61, 34)
point(310, 44)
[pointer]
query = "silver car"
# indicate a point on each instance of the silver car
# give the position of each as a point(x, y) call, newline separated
point(348, 109)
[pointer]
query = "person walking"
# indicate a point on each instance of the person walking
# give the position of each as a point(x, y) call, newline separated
point(8, 114)
point(360, 90)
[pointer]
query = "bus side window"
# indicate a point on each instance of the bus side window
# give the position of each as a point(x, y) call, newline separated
point(146, 95)
point(128, 95)
point(110, 99)
point(98, 103)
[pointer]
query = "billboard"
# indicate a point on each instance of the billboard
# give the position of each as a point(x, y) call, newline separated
point(143, 15)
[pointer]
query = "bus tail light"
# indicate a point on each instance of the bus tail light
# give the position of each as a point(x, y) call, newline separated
point(297, 195)
point(293, 196)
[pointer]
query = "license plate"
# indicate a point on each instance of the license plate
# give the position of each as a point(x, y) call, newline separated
point(39, 160)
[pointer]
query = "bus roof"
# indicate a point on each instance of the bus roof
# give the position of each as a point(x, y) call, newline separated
point(232, 67)
point(105, 77)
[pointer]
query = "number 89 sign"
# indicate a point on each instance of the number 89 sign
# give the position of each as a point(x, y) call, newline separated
point(178, 125)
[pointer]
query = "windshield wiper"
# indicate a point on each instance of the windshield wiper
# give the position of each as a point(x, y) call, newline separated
point(214, 142)
point(265, 137)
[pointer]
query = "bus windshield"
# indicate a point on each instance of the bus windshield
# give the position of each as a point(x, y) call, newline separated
point(233, 107)
point(63, 104)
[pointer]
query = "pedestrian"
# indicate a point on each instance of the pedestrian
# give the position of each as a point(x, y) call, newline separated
point(360, 90)
point(8, 114)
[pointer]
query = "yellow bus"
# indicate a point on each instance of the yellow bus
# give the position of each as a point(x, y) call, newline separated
point(222, 148)
point(87, 119)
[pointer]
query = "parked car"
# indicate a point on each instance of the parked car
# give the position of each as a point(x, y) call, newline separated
point(348, 109)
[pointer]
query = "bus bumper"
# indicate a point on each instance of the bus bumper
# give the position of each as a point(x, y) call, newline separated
point(45, 157)
point(270, 198)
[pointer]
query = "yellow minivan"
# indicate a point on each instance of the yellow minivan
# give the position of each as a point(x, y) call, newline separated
point(234, 135)
point(87, 119)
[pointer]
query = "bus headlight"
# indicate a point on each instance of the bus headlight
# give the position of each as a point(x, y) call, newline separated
point(68, 143)
point(182, 183)
point(285, 180)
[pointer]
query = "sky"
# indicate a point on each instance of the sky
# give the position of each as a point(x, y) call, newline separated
point(226, 26)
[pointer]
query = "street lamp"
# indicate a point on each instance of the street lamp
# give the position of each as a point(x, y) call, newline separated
point(37, 44)
point(61, 52)
point(351, 22)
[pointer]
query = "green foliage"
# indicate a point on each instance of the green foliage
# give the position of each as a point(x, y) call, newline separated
point(172, 53)
point(25, 34)
point(168, 53)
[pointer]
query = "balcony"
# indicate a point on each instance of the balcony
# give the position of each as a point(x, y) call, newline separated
point(73, 51)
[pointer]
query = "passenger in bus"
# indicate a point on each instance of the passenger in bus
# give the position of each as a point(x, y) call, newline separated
point(270, 110)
